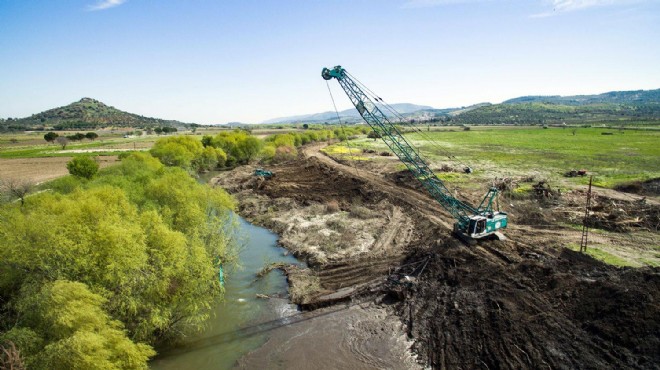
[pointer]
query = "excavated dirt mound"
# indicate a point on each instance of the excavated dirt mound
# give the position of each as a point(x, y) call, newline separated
point(535, 311)
point(648, 187)
point(310, 181)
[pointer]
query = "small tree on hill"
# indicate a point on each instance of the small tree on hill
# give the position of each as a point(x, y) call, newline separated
point(91, 135)
point(51, 136)
point(62, 141)
point(83, 166)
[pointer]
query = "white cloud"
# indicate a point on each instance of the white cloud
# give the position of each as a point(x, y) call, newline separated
point(105, 4)
point(429, 3)
point(563, 6)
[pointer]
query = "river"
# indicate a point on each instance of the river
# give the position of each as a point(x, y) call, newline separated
point(247, 332)
point(241, 321)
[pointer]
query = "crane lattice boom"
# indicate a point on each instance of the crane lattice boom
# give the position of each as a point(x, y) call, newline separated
point(475, 222)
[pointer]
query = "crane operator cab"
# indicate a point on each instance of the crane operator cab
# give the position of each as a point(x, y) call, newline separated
point(483, 225)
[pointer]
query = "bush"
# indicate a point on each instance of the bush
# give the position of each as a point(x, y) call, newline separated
point(240, 146)
point(332, 206)
point(83, 167)
point(50, 136)
point(188, 153)
point(130, 256)
point(361, 212)
point(268, 153)
point(373, 135)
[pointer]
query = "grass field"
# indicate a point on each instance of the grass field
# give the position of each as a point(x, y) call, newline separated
point(546, 153)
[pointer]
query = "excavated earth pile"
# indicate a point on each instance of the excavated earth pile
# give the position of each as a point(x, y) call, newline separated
point(521, 303)
point(535, 311)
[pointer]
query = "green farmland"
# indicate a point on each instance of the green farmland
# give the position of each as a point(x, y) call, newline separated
point(621, 157)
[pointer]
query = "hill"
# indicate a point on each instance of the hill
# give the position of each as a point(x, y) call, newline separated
point(614, 106)
point(86, 113)
point(636, 97)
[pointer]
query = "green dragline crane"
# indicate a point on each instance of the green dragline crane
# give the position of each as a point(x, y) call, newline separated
point(472, 222)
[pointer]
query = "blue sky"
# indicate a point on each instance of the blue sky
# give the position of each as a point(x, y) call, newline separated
point(213, 61)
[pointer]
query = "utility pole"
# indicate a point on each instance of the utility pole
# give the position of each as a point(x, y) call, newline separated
point(585, 226)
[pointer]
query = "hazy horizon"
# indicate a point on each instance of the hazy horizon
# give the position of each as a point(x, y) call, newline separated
point(217, 62)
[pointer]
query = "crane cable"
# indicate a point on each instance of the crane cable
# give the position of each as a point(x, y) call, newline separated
point(453, 189)
point(402, 119)
point(341, 125)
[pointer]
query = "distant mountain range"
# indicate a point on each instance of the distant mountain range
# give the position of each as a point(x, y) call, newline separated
point(84, 114)
point(610, 106)
point(615, 106)
point(346, 116)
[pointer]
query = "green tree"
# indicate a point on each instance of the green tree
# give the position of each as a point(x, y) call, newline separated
point(91, 135)
point(187, 152)
point(50, 136)
point(83, 166)
point(146, 238)
point(76, 331)
point(239, 145)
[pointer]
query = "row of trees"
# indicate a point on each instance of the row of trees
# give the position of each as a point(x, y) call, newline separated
point(232, 148)
point(100, 268)
point(52, 136)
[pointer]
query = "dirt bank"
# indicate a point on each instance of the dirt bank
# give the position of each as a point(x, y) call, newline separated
point(522, 303)
point(530, 309)
point(347, 230)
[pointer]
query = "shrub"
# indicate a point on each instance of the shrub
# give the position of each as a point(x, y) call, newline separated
point(361, 212)
point(332, 206)
point(188, 153)
point(83, 166)
point(51, 136)
point(267, 153)
point(373, 135)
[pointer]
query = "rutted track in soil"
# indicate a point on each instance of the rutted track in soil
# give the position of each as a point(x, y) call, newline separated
point(522, 303)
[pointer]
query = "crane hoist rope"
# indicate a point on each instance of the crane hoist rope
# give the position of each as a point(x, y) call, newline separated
point(341, 125)
point(466, 168)
point(471, 222)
